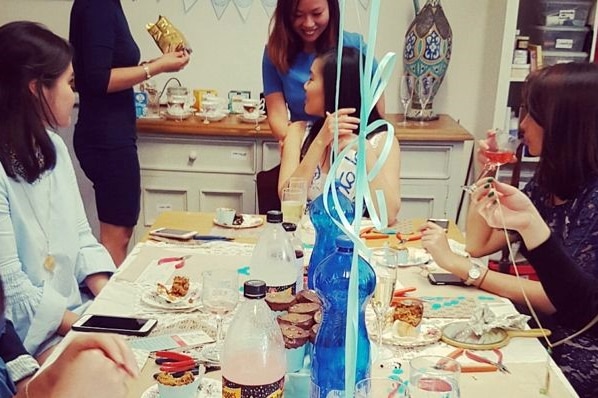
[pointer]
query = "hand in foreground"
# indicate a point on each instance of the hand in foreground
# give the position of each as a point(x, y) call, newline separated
point(92, 364)
point(434, 240)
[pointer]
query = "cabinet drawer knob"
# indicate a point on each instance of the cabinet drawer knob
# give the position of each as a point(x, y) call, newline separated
point(192, 156)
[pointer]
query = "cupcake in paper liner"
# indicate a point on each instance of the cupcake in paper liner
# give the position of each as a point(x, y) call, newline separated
point(167, 36)
point(295, 342)
point(184, 386)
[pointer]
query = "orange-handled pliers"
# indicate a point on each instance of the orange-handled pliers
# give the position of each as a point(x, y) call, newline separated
point(372, 233)
point(408, 237)
point(494, 365)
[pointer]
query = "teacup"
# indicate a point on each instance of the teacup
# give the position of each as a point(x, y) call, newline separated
point(179, 101)
point(212, 105)
point(252, 108)
point(225, 215)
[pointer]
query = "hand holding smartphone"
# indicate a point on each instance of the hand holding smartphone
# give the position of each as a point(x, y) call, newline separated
point(114, 324)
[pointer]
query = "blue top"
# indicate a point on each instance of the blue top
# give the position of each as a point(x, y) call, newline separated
point(101, 38)
point(45, 217)
point(574, 225)
point(291, 83)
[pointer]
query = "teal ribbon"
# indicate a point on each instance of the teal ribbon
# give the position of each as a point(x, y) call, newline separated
point(371, 86)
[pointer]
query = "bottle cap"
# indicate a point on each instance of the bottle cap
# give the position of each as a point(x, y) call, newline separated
point(344, 242)
point(289, 226)
point(254, 289)
point(274, 216)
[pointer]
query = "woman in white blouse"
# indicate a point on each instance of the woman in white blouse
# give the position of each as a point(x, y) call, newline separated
point(47, 250)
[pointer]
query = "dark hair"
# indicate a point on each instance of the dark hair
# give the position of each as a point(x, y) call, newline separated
point(349, 89)
point(284, 43)
point(30, 52)
point(563, 100)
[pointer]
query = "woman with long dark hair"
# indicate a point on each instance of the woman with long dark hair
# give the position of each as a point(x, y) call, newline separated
point(47, 250)
point(306, 150)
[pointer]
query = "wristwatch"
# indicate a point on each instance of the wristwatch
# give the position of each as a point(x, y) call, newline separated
point(475, 272)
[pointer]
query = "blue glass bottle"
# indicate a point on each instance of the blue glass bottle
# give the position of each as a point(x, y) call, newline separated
point(326, 230)
point(332, 285)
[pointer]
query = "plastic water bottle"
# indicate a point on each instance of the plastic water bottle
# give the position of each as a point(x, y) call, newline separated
point(291, 229)
point(273, 259)
point(326, 230)
point(253, 356)
point(332, 285)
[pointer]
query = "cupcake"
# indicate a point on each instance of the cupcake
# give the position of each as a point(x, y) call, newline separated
point(407, 317)
point(295, 341)
point(183, 386)
point(304, 321)
point(280, 301)
point(305, 308)
point(308, 296)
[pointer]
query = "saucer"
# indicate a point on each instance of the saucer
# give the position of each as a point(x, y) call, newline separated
point(249, 221)
point(182, 116)
point(211, 116)
point(416, 257)
point(208, 388)
point(249, 120)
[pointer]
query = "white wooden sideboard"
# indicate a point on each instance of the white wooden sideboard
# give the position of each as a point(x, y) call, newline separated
point(190, 166)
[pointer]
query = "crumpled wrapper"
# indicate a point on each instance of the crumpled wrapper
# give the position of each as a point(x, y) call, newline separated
point(483, 325)
point(167, 36)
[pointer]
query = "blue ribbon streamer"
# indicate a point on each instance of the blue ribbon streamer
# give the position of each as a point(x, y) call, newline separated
point(372, 87)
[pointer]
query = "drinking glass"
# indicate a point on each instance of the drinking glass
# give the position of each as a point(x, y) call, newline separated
point(379, 387)
point(432, 376)
point(220, 294)
point(384, 260)
point(407, 86)
point(300, 183)
point(502, 147)
point(153, 99)
point(425, 86)
point(292, 204)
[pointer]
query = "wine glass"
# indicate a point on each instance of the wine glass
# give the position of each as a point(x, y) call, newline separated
point(376, 387)
point(434, 376)
point(384, 260)
point(407, 86)
point(220, 294)
point(292, 205)
point(501, 149)
point(425, 86)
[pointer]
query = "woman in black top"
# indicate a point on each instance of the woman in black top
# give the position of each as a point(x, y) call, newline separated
point(106, 64)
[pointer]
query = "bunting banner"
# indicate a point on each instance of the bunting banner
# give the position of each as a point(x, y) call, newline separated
point(269, 6)
point(219, 7)
point(243, 6)
point(188, 5)
point(365, 4)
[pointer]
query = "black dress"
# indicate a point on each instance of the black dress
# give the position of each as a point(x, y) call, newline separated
point(105, 133)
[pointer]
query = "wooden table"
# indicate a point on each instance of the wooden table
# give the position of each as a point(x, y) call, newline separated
point(525, 358)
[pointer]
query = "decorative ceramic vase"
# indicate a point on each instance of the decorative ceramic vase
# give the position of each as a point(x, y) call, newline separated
point(427, 51)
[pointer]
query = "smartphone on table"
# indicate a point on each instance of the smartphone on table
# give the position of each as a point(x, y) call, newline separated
point(183, 234)
point(443, 278)
point(114, 324)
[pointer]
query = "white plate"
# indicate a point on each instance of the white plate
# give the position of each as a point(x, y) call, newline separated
point(212, 117)
point(248, 120)
point(417, 257)
point(249, 221)
point(157, 300)
point(208, 388)
point(184, 116)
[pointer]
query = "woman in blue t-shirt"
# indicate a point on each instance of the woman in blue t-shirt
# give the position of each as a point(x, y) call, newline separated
point(299, 31)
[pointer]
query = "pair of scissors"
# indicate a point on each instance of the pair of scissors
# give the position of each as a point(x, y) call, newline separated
point(179, 261)
point(495, 365)
point(373, 233)
point(174, 362)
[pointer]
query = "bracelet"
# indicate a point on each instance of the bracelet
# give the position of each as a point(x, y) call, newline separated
point(146, 68)
point(483, 278)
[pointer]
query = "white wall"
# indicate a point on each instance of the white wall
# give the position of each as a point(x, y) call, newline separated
point(227, 52)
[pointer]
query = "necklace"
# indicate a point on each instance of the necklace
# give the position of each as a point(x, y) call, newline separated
point(49, 261)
